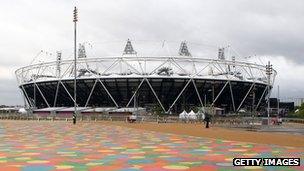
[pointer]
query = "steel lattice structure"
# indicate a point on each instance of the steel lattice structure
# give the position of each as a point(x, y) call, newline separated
point(173, 83)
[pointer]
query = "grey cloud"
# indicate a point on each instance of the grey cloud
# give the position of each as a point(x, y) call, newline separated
point(272, 27)
point(252, 27)
point(10, 94)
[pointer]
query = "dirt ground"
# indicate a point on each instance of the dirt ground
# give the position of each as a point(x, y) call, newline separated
point(198, 130)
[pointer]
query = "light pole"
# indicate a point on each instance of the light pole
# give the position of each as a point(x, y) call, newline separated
point(268, 73)
point(278, 101)
point(75, 65)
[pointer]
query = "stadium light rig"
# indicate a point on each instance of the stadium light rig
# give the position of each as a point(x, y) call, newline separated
point(269, 71)
point(75, 19)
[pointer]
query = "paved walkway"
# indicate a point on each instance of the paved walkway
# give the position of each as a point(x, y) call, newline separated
point(47, 145)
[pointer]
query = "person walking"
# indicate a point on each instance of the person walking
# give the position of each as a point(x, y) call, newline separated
point(207, 120)
point(74, 119)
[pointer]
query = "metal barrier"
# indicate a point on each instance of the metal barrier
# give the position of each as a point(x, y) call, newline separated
point(228, 121)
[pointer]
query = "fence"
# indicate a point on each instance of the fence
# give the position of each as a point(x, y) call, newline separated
point(232, 121)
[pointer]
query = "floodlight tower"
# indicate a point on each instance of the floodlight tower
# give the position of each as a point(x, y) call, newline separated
point(278, 101)
point(269, 71)
point(183, 50)
point(129, 50)
point(221, 53)
point(75, 65)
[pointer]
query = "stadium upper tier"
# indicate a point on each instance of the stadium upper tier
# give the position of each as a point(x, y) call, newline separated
point(165, 77)
point(148, 67)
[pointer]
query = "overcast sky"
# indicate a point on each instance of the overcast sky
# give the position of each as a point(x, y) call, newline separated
point(271, 30)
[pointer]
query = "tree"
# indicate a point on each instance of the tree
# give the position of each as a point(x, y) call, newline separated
point(157, 110)
point(298, 112)
point(301, 111)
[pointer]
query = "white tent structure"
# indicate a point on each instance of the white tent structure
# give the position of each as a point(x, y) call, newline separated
point(22, 111)
point(192, 115)
point(183, 116)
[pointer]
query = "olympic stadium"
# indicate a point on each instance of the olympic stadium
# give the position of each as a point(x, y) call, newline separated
point(172, 83)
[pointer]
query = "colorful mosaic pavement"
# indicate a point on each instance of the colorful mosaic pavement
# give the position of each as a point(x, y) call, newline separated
point(45, 146)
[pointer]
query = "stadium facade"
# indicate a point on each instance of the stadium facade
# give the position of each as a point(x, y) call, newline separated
point(169, 83)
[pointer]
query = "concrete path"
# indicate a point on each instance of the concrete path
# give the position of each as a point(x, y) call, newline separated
point(46, 145)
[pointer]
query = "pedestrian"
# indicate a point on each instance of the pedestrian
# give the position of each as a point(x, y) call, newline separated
point(74, 119)
point(207, 119)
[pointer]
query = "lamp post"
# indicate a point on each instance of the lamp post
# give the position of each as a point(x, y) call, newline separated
point(75, 65)
point(269, 71)
point(278, 101)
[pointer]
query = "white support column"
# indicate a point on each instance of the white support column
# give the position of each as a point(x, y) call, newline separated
point(142, 81)
point(138, 72)
point(219, 69)
point(179, 95)
point(261, 98)
point(244, 69)
point(178, 66)
point(202, 69)
point(108, 92)
point(245, 97)
point(27, 97)
point(56, 94)
point(67, 91)
point(230, 86)
point(91, 93)
point(26, 101)
point(113, 64)
point(35, 100)
point(219, 93)
point(251, 74)
point(98, 79)
point(199, 97)
point(139, 63)
point(155, 95)
point(47, 103)
point(67, 70)
point(232, 96)
point(159, 67)
point(59, 82)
